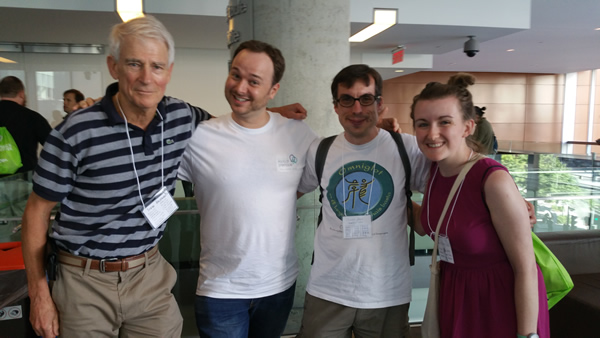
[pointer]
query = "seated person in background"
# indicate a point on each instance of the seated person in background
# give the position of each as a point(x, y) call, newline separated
point(484, 134)
point(70, 99)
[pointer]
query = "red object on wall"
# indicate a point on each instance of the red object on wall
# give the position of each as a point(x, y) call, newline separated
point(398, 56)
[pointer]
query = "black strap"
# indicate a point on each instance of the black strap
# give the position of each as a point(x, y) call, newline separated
point(320, 157)
point(409, 207)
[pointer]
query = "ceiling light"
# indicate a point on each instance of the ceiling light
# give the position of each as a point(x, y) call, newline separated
point(510, 50)
point(399, 71)
point(3, 60)
point(130, 9)
point(382, 20)
point(597, 29)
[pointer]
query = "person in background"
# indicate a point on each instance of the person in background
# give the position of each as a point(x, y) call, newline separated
point(361, 285)
point(246, 197)
point(113, 168)
point(27, 127)
point(484, 134)
point(490, 285)
point(71, 97)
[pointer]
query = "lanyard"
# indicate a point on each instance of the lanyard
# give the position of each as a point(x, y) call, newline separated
point(453, 205)
point(162, 158)
point(372, 177)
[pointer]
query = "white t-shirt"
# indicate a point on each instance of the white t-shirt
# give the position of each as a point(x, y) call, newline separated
point(369, 272)
point(245, 185)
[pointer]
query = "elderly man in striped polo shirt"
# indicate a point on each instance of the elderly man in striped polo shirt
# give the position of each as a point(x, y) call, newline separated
point(113, 168)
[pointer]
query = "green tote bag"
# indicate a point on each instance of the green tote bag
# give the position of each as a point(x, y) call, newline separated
point(557, 279)
point(10, 158)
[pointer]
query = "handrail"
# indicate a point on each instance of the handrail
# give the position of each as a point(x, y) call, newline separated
point(595, 143)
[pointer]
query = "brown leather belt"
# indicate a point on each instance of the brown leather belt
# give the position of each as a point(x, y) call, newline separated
point(108, 264)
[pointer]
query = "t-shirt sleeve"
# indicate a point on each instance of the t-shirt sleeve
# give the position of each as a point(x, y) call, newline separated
point(199, 114)
point(419, 164)
point(309, 182)
point(55, 174)
point(42, 129)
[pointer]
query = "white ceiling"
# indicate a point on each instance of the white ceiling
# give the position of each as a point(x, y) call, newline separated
point(561, 37)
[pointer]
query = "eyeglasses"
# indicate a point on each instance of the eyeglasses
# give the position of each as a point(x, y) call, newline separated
point(364, 100)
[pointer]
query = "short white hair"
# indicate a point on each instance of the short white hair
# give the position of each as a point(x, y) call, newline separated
point(144, 27)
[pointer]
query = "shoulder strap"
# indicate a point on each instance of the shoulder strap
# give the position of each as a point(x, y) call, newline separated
point(320, 158)
point(322, 151)
point(457, 182)
point(409, 207)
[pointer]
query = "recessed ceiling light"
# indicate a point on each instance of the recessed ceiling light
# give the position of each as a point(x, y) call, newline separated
point(130, 9)
point(597, 29)
point(510, 50)
point(4, 60)
point(382, 20)
point(399, 71)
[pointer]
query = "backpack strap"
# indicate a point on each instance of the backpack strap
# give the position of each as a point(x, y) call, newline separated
point(320, 158)
point(409, 207)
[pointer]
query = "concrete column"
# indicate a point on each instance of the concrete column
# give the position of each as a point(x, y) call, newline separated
point(313, 37)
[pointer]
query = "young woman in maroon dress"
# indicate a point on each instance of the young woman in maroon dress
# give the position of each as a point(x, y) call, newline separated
point(490, 285)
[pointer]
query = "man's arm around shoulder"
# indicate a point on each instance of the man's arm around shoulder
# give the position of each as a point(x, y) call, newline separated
point(43, 313)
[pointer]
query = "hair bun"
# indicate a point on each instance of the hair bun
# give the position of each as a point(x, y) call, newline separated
point(461, 80)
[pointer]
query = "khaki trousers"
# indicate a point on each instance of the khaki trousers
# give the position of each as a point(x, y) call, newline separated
point(327, 319)
point(134, 303)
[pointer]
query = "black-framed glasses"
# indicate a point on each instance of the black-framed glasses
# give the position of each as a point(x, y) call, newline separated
point(364, 100)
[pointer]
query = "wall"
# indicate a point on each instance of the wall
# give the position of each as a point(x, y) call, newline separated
point(520, 107)
point(582, 107)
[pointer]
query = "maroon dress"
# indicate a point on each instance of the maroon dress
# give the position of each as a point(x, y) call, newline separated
point(477, 291)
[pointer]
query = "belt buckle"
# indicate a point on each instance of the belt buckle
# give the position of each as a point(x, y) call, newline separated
point(102, 266)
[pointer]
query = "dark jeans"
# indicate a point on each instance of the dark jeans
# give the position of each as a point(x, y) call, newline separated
point(240, 318)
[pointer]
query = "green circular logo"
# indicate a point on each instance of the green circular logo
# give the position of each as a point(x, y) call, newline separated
point(359, 190)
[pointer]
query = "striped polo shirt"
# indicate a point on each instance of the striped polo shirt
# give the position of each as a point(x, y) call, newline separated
point(87, 166)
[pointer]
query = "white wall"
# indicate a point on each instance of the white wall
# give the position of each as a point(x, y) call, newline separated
point(199, 78)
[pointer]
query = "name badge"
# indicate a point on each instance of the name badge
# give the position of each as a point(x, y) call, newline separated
point(160, 208)
point(445, 250)
point(357, 226)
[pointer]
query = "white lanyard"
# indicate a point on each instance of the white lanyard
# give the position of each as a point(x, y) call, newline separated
point(372, 177)
point(162, 159)
point(453, 205)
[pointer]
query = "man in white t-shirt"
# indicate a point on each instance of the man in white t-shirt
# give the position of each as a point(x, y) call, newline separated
point(246, 167)
point(360, 281)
